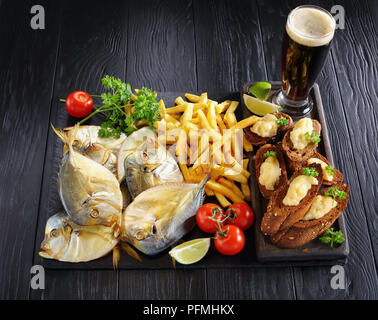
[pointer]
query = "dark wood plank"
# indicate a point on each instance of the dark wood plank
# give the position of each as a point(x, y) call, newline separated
point(91, 46)
point(161, 55)
point(314, 283)
point(229, 53)
point(356, 71)
point(27, 70)
point(162, 284)
point(79, 285)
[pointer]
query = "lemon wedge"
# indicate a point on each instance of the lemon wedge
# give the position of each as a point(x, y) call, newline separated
point(191, 251)
point(259, 107)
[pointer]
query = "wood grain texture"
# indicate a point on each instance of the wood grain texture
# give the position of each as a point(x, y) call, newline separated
point(79, 285)
point(161, 55)
point(313, 283)
point(24, 115)
point(87, 52)
point(228, 44)
point(161, 48)
point(162, 284)
point(251, 284)
point(229, 53)
point(356, 72)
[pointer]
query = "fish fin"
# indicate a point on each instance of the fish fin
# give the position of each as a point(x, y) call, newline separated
point(201, 185)
point(60, 133)
point(116, 256)
point(45, 255)
point(130, 251)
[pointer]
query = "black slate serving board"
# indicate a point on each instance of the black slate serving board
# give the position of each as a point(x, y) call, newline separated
point(247, 258)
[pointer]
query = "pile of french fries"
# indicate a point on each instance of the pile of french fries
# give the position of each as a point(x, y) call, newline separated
point(208, 139)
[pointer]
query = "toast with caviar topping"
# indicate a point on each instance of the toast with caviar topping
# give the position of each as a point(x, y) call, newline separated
point(261, 156)
point(304, 154)
point(257, 140)
point(304, 231)
point(336, 177)
point(279, 216)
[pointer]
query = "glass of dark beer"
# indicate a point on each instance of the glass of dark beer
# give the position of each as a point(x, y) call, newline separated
point(306, 42)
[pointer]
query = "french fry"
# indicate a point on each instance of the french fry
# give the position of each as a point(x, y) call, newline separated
point(203, 98)
point(246, 144)
point(232, 107)
point(246, 191)
point(171, 119)
point(222, 107)
point(192, 97)
point(222, 199)
point(220, 123)
point(179, 100)
point(163, 111)
point(217, 187)
point(177, 109)
point(211, 116)
point(209, 192)
point(237, 177)
point(181, 147)
point(185, 171)
point(188, 114)
point(245, 122)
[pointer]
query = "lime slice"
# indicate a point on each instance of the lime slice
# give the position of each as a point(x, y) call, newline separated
point(260, 90)
point(191, 251)
point(259, 107)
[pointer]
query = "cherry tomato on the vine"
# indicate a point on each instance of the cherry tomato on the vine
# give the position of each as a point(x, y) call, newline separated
point(241, 215)
point(79, 104)
point(230, 240)
point(207, 211)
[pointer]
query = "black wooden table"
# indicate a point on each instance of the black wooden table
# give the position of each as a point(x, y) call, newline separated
point(177, 46)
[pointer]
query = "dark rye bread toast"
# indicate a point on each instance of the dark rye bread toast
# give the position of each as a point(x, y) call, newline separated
point(256, 140)
point(278, 216)
point(303, 231)
point(260, 159)
point(337, 177)
point(300, 155)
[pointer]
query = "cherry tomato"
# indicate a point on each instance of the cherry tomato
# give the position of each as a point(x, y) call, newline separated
point(241, 215)
point(231, 241)
point(206, 212)
point(79, 104)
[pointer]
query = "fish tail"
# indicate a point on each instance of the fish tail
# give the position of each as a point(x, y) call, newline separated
point(116, 256)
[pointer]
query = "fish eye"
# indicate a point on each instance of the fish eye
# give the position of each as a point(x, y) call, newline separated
point(53, 233)
point(94, 213)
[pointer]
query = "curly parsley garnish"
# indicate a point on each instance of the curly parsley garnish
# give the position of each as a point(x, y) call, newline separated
point(330, 170)
point(270, 154)
point(330, 236)
point(314, 137)
point(310, 172)
point(123, 110)
point(336, 192)
point(282, 121)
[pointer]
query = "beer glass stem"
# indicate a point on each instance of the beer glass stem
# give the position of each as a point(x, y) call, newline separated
point(290, 106)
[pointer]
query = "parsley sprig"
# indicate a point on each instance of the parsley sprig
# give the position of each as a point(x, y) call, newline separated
point(330, 170)
point(310, 172)
point(336, 192)
point(270, 154)
point(314, 137)
point(331, 236)
point(282, 121)
point(122, 110)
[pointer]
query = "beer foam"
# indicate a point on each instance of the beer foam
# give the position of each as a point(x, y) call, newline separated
point(310, 26)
